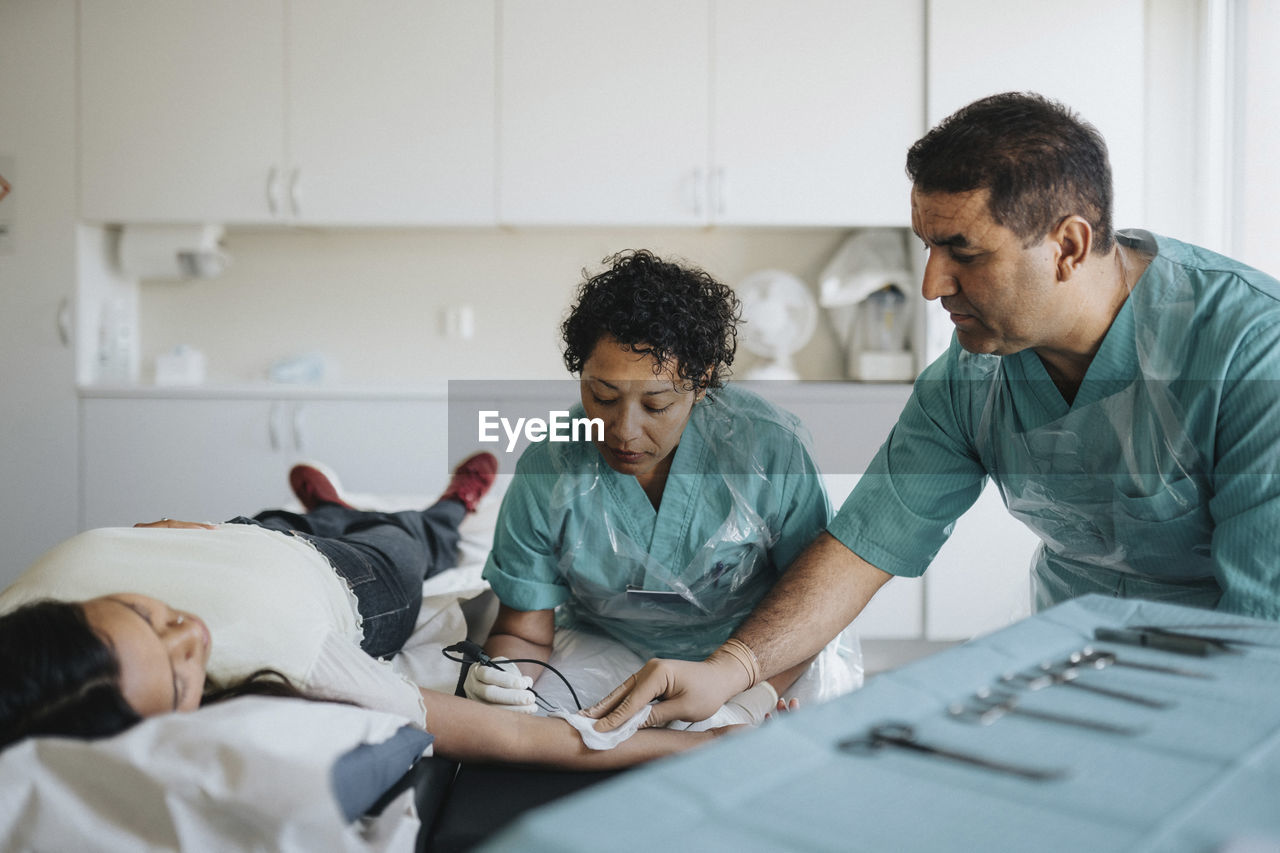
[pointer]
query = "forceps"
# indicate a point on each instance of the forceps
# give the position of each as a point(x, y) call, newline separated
point(1049, 674)
point(987, 705)
point(1098, 659)
point(904, 736)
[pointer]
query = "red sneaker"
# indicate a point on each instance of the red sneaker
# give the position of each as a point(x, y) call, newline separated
point(315, 484)
point(472, 479)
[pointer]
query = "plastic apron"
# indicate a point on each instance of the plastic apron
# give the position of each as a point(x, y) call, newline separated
point(1115, 488)
point(646, 605)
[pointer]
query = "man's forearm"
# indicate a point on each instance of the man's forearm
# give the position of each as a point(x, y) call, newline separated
point(821, 593)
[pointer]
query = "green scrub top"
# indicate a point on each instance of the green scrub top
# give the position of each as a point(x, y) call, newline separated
point(742, 500)
point(1160, 480)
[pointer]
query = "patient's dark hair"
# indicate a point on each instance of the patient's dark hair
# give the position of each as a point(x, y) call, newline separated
point(57, 677)
point(1040, 161)
point(675, 313)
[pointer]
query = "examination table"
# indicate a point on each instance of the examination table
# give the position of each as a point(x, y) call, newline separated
point(1180, 753)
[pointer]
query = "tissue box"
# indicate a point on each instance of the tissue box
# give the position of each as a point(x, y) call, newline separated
point(181, 366)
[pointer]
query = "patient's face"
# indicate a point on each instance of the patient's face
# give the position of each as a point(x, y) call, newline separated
point(162, 652)
point(644, 412)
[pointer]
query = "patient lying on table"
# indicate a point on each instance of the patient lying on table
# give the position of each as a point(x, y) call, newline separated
point(300, 605)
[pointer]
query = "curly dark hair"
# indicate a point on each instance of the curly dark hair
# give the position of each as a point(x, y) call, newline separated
point(1040, 161)
point(673, 312)
point(57, 677)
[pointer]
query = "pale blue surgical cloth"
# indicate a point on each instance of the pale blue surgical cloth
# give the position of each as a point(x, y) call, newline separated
point(742, 500)
point(1160, 480)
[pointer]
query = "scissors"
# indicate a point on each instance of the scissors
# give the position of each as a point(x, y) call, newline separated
point(987, 705)
point(903, 736)
point(1098, 659)
point(1048, 674)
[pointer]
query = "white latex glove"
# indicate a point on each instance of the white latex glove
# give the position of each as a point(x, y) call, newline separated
point(503, 688)
point(747, 708)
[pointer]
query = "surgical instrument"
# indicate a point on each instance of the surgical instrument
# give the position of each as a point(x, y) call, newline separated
point(1183, 644)
point(1223, 643)
point(904, 736)
point(987, 705)
point(1049, 674)
point(1166, 641)
point(1099, 659)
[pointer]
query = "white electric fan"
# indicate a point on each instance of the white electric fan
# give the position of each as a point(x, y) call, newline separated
point(779, 317)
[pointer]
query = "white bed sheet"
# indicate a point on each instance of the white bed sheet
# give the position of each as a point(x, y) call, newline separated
point(250, 774)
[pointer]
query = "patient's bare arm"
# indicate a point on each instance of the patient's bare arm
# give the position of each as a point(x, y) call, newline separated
point(472, 731)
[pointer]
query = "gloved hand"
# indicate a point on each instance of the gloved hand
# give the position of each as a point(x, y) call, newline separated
point(688, 689)
point(504, 687)
point(749, 708)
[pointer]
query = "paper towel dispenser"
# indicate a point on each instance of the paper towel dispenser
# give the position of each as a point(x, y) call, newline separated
point(172, 251)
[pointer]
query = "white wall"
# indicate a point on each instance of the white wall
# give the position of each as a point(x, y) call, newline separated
point(371, 300)
point(38, 460)
point(1257, 178)
point(1172, 71)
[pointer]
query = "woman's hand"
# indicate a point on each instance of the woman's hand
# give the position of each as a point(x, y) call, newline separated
point(169, 522)
point(501, 686)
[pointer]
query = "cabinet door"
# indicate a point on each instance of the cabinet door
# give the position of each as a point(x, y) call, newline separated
point(1091, 60)
point(391, 112)
point(38, 464)
point(210, 459)
point(195, 460)
point(981, 578)
point(604, 116)
point(386, 448)
point(181, 109)
point(815, 105)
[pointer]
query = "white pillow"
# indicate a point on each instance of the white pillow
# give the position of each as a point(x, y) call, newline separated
point(253, 773)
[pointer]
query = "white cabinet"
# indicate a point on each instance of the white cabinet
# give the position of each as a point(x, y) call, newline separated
point(679, 112)
point(181, 110)
point(210, 459)
point(815, 103)
point(604, 116)
point(391, 111)
point(981, 578)
point(318, 112)
point(1092, 60)
point(37, 280)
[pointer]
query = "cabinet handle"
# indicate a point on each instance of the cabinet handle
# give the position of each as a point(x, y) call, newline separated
point(273, 426)
point(295, 191)
point(64, 321)
point(273, 190)
point(698, 189)
point(299, 431)
point(717, 183)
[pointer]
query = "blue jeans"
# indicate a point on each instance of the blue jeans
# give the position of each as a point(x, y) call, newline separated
point(383, 556)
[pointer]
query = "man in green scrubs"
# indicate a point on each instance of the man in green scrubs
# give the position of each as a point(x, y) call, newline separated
point(1121, 389)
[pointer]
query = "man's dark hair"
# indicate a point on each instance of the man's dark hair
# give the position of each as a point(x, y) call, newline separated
point(1040, 161)
point(675, 313)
